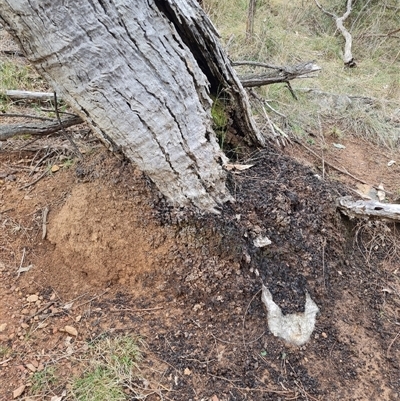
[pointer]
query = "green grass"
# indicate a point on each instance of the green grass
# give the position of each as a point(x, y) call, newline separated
point(287, 33)
point(17, 76)
point(43, 380)
point(98, 384)
point(112, 365)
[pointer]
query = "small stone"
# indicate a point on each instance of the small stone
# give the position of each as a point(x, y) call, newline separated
point(35, 363)
point(24, 325)
point(323, 334)
point(32, 298)
point(187, 372)
point(31, 367)
point(3, 327)
point(78, 318)
point(18, 391)
point(71, 330)
point(55, 168)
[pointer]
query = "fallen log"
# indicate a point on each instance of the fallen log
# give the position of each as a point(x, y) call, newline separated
point(371, 208)
point(44, 128)
point(279, 75)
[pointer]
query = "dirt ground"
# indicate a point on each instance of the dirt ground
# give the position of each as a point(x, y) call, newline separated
point(110, 256)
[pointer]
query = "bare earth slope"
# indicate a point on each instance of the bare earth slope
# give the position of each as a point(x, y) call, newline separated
point(190, 285)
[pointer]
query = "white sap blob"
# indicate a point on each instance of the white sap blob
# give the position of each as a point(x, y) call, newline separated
point(294, 328)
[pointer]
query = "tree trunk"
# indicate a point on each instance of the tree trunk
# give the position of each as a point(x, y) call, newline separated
point(139, 72)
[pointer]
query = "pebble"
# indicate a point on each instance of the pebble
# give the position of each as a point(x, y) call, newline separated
point(17, 392)
point(31, 367)
point(32, 298)
point(323, 334)
point(71, 330)
point(3, 327)
point(35, 363)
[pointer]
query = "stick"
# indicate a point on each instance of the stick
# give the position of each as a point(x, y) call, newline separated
point(250, 20)
point(347, 57)
point(137, 310)
point(68, 136)
point(391, 343)
point(44, 222)
point(45, 128)
point(39, 311)
point(330, 164)
point(26, 116)
point(35, 181)
point(28, 95)
point(283, 74)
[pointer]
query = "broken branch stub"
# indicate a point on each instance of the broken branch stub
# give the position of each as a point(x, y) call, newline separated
point(371, 208)
point(283, 74)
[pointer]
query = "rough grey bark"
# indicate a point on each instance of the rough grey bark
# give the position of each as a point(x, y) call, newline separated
point(138, 72)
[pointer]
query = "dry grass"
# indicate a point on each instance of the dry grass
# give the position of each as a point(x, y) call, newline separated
point(363, 101)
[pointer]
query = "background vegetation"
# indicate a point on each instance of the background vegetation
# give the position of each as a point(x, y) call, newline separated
point(362, 101)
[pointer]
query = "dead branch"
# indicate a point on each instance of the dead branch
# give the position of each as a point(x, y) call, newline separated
point(45, 128)
point(27, 95)
point(371, 208)
point(282, 74)
point(65, 133)
point(256, 64)
point(348, 56)
point(250, 20)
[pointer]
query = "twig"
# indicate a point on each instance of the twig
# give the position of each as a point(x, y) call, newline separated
point(68, 136)
point(92, 299)
point(22, 260)
point(44, 222)
point(48, 154)
point(273, 127)
point(244, 316)
point(282, 74)
point(5, 361)
point(26, 116)
point(39, 311)
point(137, 310)
point(291, 90)
point(323, 262)
point(17, 94)
point(250, 20)
point(35, 181)
point(330, 164)
point(257, 64)
point(322, 146)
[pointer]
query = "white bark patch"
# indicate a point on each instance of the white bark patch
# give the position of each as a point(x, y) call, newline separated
point(124, 68)
point(294, 328)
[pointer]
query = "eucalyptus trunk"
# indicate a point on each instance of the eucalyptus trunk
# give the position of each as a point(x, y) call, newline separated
point(140, 73)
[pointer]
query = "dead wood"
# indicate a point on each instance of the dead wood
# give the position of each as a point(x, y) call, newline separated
point(347, 56)
point(28, 95)
point(371, 208)
point(250, 20)
point(280, 74)
point(45, 128)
